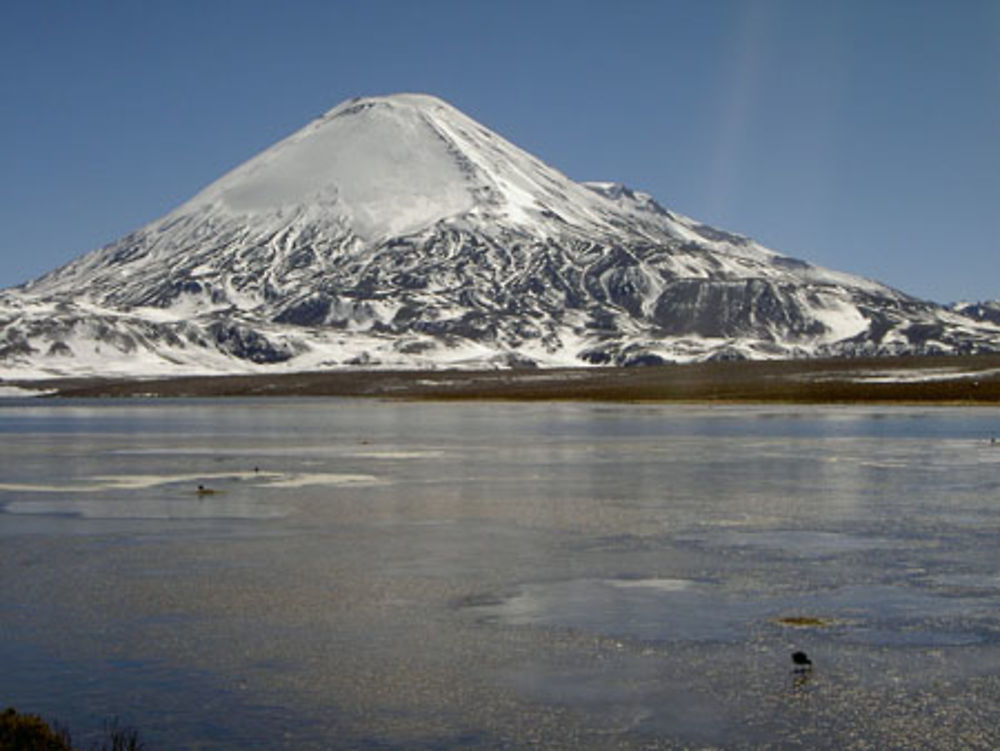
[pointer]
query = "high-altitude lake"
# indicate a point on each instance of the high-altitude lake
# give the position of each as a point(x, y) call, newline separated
point(368, 574)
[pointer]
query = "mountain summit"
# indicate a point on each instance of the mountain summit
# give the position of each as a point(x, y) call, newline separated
point(397, 232)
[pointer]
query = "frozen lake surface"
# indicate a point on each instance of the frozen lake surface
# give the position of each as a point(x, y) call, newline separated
point(364, 574)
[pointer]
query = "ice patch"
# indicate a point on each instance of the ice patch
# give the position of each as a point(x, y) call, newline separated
point(303, 480)
point(397, 454)
point(923, 375)
point(15, 392)
point(126, 482)
point(144, 482)
point(661, 585)
point(283, 451)
point(702, 612)
point(920, 375)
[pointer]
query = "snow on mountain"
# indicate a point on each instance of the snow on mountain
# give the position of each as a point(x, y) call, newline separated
point(397, 232)
point(980, 311)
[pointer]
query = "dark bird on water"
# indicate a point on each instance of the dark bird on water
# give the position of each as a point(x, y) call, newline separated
point(801, 661)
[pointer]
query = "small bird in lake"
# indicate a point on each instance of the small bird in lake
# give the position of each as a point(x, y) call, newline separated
point(801, 661)
point(202, 490)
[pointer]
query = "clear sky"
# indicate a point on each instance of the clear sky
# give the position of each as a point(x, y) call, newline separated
point(860, 135)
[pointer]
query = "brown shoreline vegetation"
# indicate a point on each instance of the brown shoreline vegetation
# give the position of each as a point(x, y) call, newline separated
point(966, 379)
point(29, 732)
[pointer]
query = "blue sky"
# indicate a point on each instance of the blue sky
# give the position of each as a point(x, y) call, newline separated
point(863, 136)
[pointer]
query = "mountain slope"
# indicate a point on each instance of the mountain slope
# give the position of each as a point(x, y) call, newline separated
point(397, 232)
point(981, 311)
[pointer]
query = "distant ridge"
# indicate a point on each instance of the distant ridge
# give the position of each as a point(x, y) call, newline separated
point(981, 311)
point(396, 232)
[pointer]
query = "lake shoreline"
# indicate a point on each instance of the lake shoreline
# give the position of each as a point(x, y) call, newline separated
point(949, 380)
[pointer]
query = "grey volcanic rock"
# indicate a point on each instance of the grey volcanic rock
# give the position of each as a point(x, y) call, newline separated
point(981, 311)
point(397, 232)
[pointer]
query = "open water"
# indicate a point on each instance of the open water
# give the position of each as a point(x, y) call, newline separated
point(368, 574)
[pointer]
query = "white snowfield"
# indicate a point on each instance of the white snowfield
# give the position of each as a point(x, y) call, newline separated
point(383, 171)
point(396, 232)
point(920, 375)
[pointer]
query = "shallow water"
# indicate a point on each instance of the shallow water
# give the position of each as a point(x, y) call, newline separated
point(359, 574)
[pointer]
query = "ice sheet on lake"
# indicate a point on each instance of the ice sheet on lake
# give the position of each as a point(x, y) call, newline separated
point(100, 483)
point(287, 451)
point(675, 610)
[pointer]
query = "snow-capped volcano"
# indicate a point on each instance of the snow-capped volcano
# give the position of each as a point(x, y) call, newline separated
point(395, 231)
